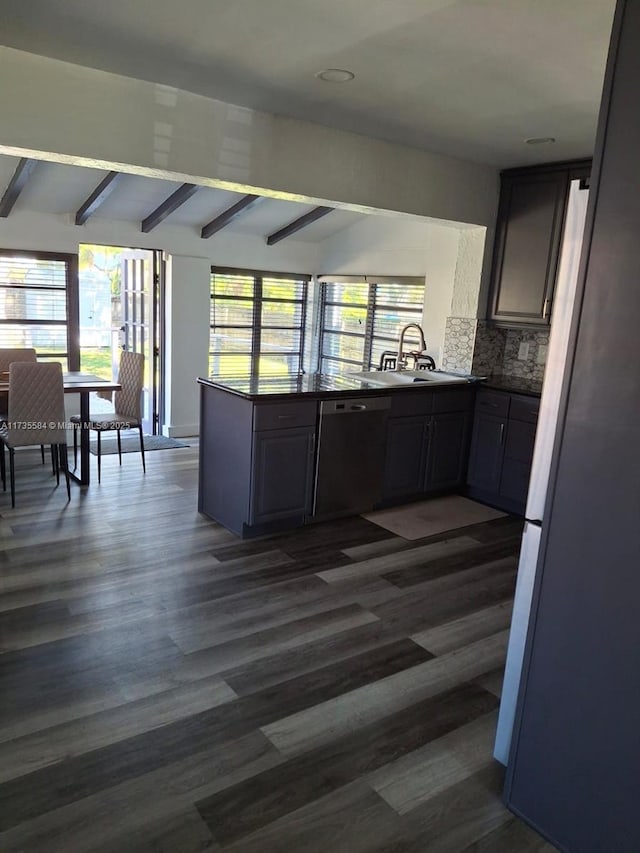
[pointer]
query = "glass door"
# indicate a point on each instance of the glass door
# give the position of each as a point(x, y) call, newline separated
point(140, 322)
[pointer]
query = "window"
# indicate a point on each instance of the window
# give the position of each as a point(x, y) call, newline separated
point(35, 295)
point(257, 322)
point(360, 319)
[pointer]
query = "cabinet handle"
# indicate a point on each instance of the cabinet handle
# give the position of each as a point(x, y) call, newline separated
point(501, 434)
point(546, 308)
point(285, 417)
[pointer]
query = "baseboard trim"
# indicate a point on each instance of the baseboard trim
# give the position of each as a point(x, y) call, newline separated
point(181, 430)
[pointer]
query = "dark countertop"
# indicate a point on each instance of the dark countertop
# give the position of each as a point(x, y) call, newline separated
point(515, 385)
point(321, 386)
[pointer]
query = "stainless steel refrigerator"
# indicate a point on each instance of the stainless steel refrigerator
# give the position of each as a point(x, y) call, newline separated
point(548, 424)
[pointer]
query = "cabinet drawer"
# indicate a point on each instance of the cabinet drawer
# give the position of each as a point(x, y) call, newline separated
point(411, 403)
point(493, 403)
point(524, 409)
point(450, 400)
point(284, 415)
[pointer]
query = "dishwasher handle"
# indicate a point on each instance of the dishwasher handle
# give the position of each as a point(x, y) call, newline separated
point(354, 406)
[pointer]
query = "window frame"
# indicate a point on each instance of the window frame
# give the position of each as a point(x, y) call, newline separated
point(372, 306)
point(258, 300)
point(72, 303)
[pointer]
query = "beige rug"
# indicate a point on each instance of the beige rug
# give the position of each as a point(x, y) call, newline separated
point(415, 521)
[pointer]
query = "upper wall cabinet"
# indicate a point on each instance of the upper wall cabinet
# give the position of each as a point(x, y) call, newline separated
point(528, 235)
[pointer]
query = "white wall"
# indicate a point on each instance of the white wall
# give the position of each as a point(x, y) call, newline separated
point(67, 113)
point(441, 254)
point(467, 301)
point(187, 337)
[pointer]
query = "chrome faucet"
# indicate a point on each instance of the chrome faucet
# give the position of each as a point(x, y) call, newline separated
point(401, 362)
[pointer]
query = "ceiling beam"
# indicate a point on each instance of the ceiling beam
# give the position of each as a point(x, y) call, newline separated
point(229, 215)
point(168, 206)
point(98, 197)
point(17, 183)
point(298, 224)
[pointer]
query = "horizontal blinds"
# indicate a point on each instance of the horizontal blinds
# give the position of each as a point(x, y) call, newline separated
point(257, 323)
point(395, 305)
point(361, 320)
point(33, 304)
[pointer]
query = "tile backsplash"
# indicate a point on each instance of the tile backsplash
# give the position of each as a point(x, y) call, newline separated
point(474, 346)
point(533, 366)
point(459, 341)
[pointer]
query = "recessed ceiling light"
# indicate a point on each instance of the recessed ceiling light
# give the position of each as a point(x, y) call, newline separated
point(335, 75)
point(540, 140)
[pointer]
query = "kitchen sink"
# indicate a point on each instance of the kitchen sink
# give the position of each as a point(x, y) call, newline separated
point(382, 378)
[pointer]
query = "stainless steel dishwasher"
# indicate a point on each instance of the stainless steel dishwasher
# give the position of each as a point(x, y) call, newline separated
point(350, 461)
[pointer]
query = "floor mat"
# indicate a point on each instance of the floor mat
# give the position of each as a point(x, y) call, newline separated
point(417, 520)
point(131, 444)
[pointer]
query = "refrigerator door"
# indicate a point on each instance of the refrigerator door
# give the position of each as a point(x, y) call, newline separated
point(564, 303)
point(517, 638)
point(563, 307)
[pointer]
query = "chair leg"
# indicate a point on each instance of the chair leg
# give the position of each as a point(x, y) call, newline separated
point(3, 471)
point(144, 467)
point(64, 458)
point(119, 446)
point(56, 455)
point(42, 452)
point(12, 476)
point(53, 461)
point(99, 455)
point(75, 446)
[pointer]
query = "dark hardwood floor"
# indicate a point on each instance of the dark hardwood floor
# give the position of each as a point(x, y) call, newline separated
point(167, 687)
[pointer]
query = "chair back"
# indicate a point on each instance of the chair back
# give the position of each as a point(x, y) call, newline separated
point(7, 357)
point(36, 404)
point(128, 401)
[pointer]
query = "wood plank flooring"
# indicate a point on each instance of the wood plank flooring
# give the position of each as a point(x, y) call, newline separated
point(165, 686)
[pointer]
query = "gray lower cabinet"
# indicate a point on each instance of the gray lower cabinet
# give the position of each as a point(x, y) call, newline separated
point(426, 447)
point(447, 456)
point(504, 431)
point(516, 465)
point(485, 459)
point(282, 475)
point(405, 459)
point(256, 461)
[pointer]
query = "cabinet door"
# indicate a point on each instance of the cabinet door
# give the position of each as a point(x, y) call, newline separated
point(487, 450)
point(282, 473)
point(527, 246)
point(405, 459)
point(447, 450)
point(518, 456)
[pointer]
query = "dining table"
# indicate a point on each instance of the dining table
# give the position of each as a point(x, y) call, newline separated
point(83, 384)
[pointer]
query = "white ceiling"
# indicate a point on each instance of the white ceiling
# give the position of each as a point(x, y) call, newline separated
point(59, 189)
point(471, 78)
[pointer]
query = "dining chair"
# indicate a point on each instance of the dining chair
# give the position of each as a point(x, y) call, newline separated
point(7, 357)
point(128, 408)
point(35, 416)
